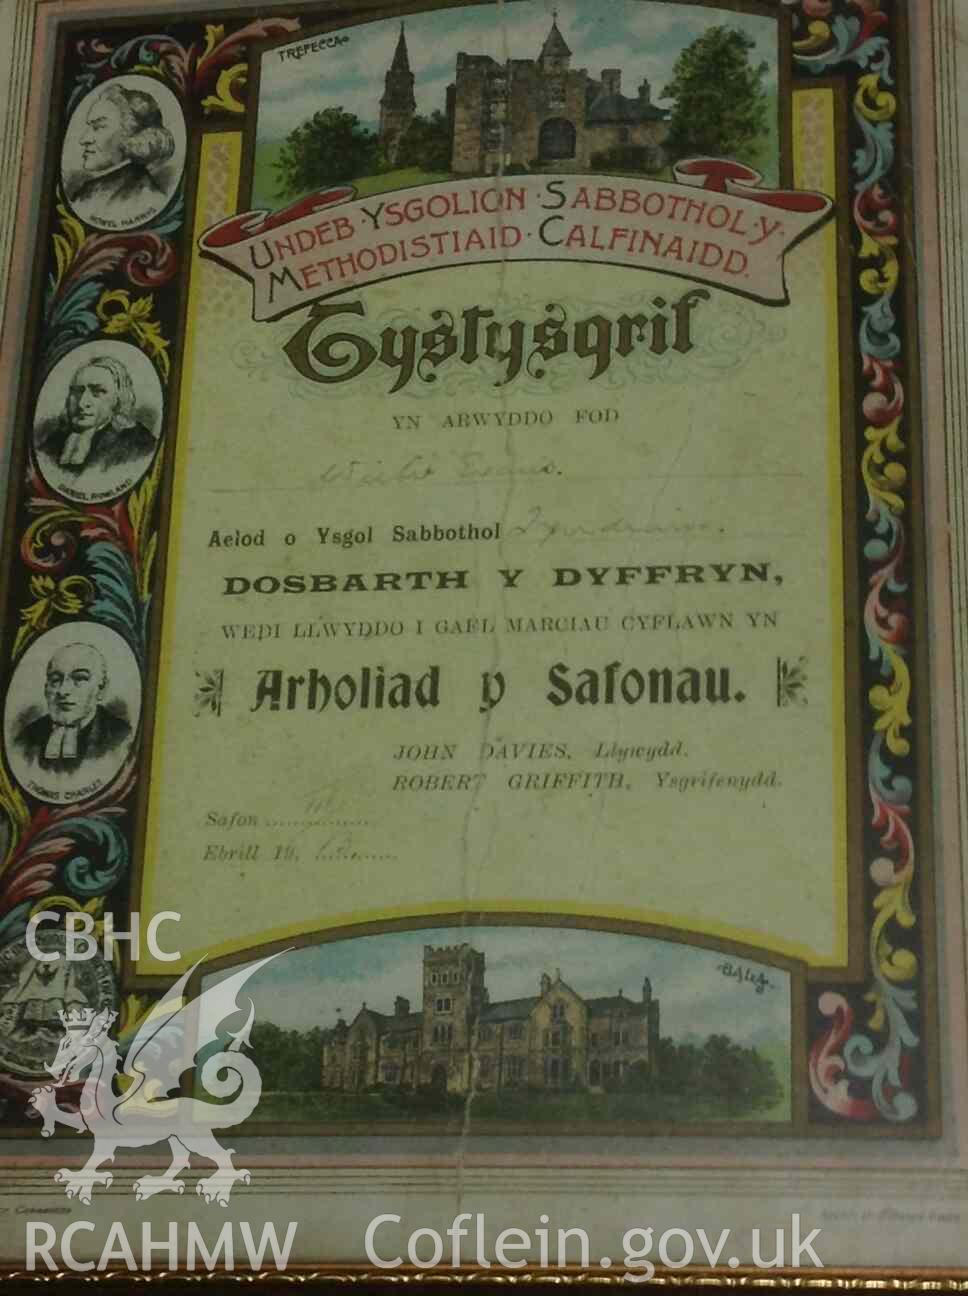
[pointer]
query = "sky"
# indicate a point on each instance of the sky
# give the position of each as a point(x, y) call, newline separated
point(311, 985)
point(641, 37)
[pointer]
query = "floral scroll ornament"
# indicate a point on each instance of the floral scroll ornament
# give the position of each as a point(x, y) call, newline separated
point(97, 561)
point(72, 305)
point(104, 544)
point(832, 32)
point(78, 849)
point(865, 1073)
point(68, 597)
point(118, 315)
point(213, 72)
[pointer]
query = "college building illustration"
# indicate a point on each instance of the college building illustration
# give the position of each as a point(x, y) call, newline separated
point(531, 113)
point(460, 1039)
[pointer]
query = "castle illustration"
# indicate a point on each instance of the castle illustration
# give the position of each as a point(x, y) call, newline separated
point(530, 113)
point(552, 1040)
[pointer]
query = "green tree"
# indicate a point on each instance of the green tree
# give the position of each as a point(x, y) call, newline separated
point(329, 148)
point(678, 1066)
point(287, 1059)
point(426, 144)
point(740, 1076)
point(720, 102)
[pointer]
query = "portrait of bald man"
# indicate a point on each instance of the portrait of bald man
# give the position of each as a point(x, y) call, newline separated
point(77, 727)
point(99, 429)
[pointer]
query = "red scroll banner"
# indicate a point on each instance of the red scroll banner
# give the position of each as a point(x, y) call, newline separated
point(714, 225)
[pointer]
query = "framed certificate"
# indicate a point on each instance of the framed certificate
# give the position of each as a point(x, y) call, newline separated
point(480, 656)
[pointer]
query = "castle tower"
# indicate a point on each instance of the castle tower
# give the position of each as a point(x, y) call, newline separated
point(612, 81)
point(555, 56)
point(453, 996)
point(398, 105)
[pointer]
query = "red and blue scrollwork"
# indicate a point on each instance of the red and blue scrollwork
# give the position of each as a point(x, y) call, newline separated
point(96, 561)
point(864, 1055)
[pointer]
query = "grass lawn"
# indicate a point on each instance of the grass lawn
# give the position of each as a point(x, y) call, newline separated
point(664, 174)
point(405, 178)
point(530, 1108)
point(265, 179)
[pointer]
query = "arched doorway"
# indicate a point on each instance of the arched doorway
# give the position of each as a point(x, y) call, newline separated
point(556, 140)
point(438, 1078)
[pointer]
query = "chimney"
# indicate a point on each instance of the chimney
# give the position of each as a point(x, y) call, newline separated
point(612, 80)
point(646, 990)
point(545, 983)
point(645, 94)
point(557, 974)
point(401, 1006)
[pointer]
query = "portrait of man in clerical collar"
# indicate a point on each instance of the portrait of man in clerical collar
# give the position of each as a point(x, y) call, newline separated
point(72, 711)
point(94, 431)
point(99, 429)
point(123, 153)
point(77, 725)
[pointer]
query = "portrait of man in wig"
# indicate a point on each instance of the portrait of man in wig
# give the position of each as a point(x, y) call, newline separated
point(77, 726)
point(99, 428)
point(122, 145)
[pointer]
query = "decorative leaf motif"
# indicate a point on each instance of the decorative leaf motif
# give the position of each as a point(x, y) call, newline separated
point(224, 99)
point(873, 102)
point(190, 71)
point(817, 37)
point(214, 35)
point(119, 315)
point(139, 510)
point(105, 858)
point(15, 809)
point(147, 566)
point(68, 243)
point(884, 477)
point(150, 69)
point(116, 601)
point(51, 541)
point(14, 923)
point(891, 701)
point(67, 596)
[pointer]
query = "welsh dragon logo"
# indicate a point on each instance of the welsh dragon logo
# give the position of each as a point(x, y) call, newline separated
point(128, 1104)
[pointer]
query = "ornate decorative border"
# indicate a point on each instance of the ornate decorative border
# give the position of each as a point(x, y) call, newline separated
point(97, 561)
point(91, 561)
point(865, 1071)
